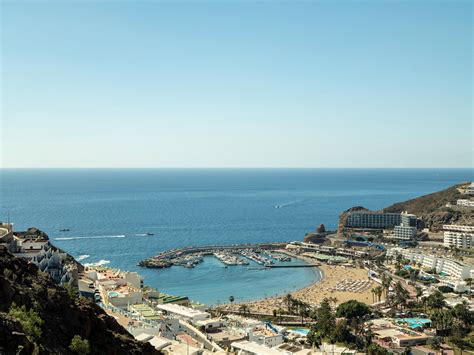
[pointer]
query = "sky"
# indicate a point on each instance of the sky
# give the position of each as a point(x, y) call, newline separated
point(236, 83)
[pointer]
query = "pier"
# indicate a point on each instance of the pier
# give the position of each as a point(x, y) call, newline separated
point(286, 266)
point(227, 254)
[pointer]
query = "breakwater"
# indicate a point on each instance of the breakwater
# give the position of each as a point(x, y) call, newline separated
point(263, 254)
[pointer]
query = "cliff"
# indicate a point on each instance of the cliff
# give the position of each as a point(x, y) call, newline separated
point(61, 316)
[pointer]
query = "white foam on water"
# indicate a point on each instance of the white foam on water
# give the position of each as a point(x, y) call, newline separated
point(82, 257)
point(98, 263)
point(93, 237)
point(288, 204)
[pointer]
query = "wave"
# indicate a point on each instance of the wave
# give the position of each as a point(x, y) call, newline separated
point(82, 257)
point(93, 237)
point(98, 263)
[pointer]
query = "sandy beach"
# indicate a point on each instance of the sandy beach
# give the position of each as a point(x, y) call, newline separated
point(333, 275)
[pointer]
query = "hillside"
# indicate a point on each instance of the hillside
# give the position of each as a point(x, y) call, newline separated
point(61, 316)
point(432, 208)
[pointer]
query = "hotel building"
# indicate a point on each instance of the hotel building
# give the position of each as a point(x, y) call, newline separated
point(407, 229)
point(368, 219)
point(458, 236)
point(404, 232)
point(465, 203)
point(470, 189)
point(450, 267)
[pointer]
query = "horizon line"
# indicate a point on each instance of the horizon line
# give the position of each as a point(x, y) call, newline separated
point(228, 167)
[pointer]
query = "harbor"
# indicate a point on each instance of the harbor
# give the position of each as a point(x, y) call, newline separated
point(264, 255)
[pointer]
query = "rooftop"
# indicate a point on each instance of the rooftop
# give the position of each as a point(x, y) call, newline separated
point(255, 348)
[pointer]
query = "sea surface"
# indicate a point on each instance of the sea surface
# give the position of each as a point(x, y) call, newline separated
point(109, 212)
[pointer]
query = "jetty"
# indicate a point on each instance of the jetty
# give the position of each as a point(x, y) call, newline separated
point(235, 254)
point(286, 266)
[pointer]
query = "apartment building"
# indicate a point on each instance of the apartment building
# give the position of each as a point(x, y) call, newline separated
point(458, 236)
point(450, 267)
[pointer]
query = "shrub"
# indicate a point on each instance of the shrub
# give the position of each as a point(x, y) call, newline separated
point(79, 345)
point(30, 320)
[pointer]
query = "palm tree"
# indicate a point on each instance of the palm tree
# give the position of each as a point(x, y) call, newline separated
point(288, 299)
point(401, 295)
point(243, 308)
point(332, 300)
point(231, 299)
point(379, 292)
point(280, 312)
point(386, 282)
point(419, 292)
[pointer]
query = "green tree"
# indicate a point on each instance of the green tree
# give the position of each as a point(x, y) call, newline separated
point(435, 300)
point(459, 343)
point(375, 349)
point(288, 299)
point(244, 309)
point(325, 319)
point(352, 310)
point(79, 345)
point(442, 320)
point(386, 282)
point(30, 321)
point(401, 295)
point(463, 314)
point(341, 333)
point(313, 338)
point(378, 292)
point(435, 343)
point(419, 292)
point(71, 291)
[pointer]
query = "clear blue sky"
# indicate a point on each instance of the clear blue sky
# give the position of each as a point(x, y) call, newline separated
point(237, 84)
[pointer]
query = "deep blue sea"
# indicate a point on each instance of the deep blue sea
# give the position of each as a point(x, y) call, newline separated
point(109, 211)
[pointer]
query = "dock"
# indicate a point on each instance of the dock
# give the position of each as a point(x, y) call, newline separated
point(227, 254)
point(286, 266)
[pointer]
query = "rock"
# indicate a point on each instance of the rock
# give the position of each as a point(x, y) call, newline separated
point(63, 316)
point(321, 229)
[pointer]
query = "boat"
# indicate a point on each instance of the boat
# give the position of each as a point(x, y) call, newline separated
point(148, 233)
point(64, 230)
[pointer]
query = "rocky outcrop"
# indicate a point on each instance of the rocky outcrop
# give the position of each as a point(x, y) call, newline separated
point(318, 237)
point(63, 316)
point(321, 229)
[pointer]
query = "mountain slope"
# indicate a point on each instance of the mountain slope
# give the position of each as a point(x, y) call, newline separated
point(432, 208)
point(63, 316)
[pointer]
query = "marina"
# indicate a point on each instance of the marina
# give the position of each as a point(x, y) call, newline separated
point(262, 254)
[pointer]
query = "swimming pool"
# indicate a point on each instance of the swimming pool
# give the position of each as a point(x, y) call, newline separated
point(301, 331)
point(414, 323)
point(113, 294)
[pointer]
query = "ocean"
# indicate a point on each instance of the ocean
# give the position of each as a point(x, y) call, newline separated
point(110, 211)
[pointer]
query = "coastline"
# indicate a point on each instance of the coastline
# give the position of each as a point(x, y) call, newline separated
point(313, 294)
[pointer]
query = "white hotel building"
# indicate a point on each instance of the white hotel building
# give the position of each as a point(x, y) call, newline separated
point(453, 268)
point(463, 202)
point(458, 236)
